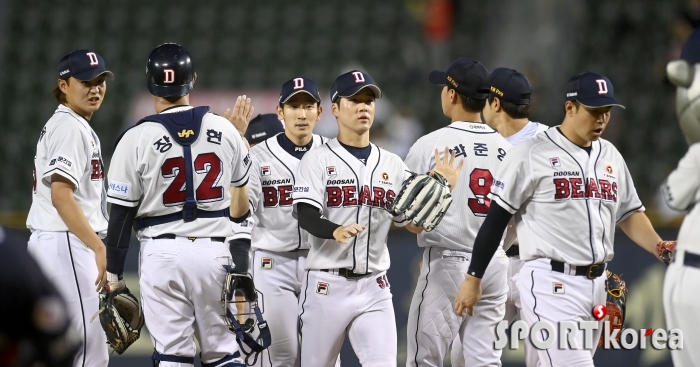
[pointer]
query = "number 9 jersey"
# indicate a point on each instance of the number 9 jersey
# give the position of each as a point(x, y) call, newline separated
point(148, 167)
point(483, 149)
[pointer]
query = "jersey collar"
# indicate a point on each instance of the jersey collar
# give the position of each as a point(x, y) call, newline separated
point(66, 109)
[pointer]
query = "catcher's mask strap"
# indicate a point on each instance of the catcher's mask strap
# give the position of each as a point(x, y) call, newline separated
point(171, 358)
point(264, 338)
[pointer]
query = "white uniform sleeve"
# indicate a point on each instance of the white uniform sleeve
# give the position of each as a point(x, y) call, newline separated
point(680, 190)
point(309, 187)
point(254, 186)
point(124, 177)
point(415, 159)
point(241, 161)
point(400, 220)
point(513, 183)
point(66, 153)
point(627, 196)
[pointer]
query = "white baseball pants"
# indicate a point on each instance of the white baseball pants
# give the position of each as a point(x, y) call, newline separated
point(681, 299)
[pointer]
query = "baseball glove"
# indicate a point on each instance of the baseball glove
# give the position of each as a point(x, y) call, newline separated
point(665, 250)
point(121, 318)
point(615, 304)
point(423, 200)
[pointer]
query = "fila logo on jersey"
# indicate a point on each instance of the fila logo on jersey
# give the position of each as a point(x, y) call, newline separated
point(322, 288)
point(266, 263)
point(168, 76)
point(265, 171)
point(331, 170)
point(347, 196)
point(558, 288)
point(185, 133)
point(555, 162)
point(574, 188)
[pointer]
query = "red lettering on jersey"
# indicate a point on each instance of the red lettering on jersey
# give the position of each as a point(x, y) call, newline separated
point(365, 196)
point(335, 196)
point(269, 196)
point(576, 188)
point(96, 170)
point(390, 196)
point(349, 195)
point(606, 190)
point(614, 192)
point(592, 189)
point(561, 187)
point(286, 195)
point(378, 197)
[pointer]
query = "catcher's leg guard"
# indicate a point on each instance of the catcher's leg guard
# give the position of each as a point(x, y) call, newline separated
point(157, 358)
point(227, 361)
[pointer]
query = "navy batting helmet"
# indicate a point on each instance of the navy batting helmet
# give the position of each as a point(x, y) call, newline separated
point(170, 71)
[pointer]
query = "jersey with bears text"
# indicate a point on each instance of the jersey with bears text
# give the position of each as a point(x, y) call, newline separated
point(270, 187)
point(148, 168)
point(566, 201)
point(347, 191)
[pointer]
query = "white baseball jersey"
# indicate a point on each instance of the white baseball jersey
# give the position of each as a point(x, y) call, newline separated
point(270, 187)
point(583, 195)
point(528, 131)
point(483, 149)
point(148, 168)
point(68, 147)
point(242, 230)
point(347, 191)
point(681, 192)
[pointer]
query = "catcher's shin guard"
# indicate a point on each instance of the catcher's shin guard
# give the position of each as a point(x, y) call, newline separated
point(243, 283)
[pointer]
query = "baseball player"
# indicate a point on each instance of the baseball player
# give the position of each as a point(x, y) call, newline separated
point(507, 111)
point(280, 245)
point(179, 176)
point(342, 194)
point(681, 292)
point(36, 326)
point(68, 216)
point(567, 189)
point(432, 324)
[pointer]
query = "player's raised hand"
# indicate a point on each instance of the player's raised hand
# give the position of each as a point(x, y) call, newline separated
point(446, 166)
point(469, 294)
point(241, 114)
point(342, 233)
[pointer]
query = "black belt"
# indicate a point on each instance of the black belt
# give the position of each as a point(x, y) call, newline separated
point(171, 236)
point(347, 273)
point(691, 259)
point(513, 251)
point(590, 271)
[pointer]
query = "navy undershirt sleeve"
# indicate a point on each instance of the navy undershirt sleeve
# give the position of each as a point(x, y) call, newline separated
point(311, 221)
point(488, 239)
point(121, 219)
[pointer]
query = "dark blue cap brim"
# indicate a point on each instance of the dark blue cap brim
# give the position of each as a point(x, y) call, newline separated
point(438, 77)
point(92, 74)
point(316, 98)
point(600, 102)
point(170, 90)
point(354, 90)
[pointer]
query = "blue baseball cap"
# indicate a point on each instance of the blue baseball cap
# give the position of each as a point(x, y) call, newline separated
point(591, 90)
point(348, 84)
point(82, 65)
point(510, 86)
point(299, 85)
point(468, 77)
point(262, 127)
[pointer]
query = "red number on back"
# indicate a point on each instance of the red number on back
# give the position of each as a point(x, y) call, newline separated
point(175, 193)
point(480, 181)
point(206, 163)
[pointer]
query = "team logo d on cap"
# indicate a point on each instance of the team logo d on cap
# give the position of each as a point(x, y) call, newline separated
point(510, 86)
point(348, 84)
point(262, 127)
point(591, 90)
point(299, 85)
point(83, 65)
point(468, 77)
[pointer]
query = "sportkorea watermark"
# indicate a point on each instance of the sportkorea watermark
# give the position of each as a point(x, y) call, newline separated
point(545, 335)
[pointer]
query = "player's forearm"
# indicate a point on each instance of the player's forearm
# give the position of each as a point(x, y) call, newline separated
point(311, 221)
point(639, 229)
point(239, 201)
point(121, 219)
point(487, 239)
point(413, 229)
point(72, 215)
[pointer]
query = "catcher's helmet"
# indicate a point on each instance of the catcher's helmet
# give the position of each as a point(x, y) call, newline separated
point(170, 71)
